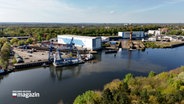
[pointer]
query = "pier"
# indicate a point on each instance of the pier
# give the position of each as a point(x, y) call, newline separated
point(31, 64)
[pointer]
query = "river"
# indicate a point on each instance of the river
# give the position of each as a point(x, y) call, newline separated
point(64, 84)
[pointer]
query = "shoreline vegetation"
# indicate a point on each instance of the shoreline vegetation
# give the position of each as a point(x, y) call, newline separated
point(163, 88)
point(159, 44)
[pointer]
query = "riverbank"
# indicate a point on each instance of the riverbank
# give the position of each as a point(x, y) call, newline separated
point(166, 87)
point(160, 44)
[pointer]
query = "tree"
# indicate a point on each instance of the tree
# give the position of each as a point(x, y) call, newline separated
point(29, 41)
point(144, 96)
point(116, 95)
point(89, 97)
point(14, 41)
point(48, 37)
point(3, 40)
point(39, 38)
point(128, 77)
point(5, 55)
point(151, 74)
point(21, 42)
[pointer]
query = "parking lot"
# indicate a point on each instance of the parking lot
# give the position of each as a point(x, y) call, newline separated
point(29, 56)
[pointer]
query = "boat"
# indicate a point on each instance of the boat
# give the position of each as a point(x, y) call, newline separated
point(88, 57)
point(45, 65)
point(4, 72)
point(67, 62)
point(60, 62)
point(110, 51)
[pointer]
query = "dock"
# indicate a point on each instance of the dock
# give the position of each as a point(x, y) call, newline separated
point(30, 64)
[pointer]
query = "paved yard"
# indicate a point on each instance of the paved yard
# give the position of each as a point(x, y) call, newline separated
point(32, 57)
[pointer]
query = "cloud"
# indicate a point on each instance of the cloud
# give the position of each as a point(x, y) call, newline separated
point(73, 11)
point(112, 12)
point(37, 10)
point(154, 7)
point(174, 1)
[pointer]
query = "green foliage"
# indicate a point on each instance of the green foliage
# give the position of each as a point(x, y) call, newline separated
point(181, 76)
point(48, 37)
point(14, 41)
point(2, 41)
point(115, 92)
point(21, 42)
point(164, 88)
point(39, 38)
point(175, 32)
point(89, 97)
point(151, 74)
point(29, 41)
point(5, 55)
point(14, 61)
point(45, 32)
point(128, 77)
point(151, 45)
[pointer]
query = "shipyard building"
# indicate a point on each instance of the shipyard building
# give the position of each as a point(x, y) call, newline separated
point(135, 35)
point(91, 43)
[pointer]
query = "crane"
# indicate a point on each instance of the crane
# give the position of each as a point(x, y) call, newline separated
point(50, 52)
point(71, 45)
point(130, 32)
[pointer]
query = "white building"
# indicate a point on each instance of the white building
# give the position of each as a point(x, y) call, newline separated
point(152, 39)
point(135, 35)
point(91, 43)
point(154, 32)
point(105, 39)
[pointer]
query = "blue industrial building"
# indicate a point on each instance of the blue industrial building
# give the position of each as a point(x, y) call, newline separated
point(91, 43)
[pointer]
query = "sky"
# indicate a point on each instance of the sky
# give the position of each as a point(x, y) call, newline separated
point(92, 11)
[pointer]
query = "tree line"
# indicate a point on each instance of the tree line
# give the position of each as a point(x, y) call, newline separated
point(45, 33)
point(6, 49)
point(164, 88)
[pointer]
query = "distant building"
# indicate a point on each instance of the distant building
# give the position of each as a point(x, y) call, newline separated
point(153, 39)
point(105, 39)
point(173, 38)
point(135, 35)
point(91, 43)
point(154, 32)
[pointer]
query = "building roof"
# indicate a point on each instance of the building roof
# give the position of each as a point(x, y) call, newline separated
point(78, 36)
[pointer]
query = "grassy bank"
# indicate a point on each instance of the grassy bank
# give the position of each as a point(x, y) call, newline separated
point(164, 88)
point(162, 44)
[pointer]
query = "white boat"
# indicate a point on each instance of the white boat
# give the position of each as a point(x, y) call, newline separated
point(59, 61)
point(67, 62)
point(89, 57)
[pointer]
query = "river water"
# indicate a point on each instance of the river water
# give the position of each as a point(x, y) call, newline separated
point(64, 84)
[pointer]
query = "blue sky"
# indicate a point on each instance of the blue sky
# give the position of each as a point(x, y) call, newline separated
point(92, 11)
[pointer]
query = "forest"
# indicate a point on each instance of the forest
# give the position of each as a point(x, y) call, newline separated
point(164, 88)
point(47, 31)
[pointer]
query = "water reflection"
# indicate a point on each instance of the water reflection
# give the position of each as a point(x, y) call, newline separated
point(129, 59)
point(64, 72)
point(1, 78)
